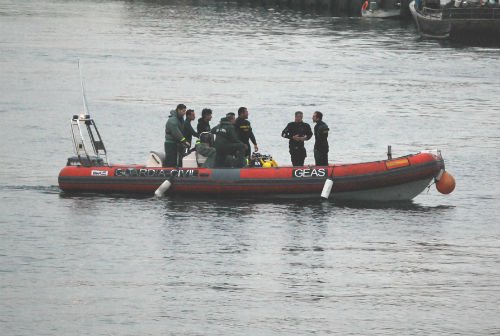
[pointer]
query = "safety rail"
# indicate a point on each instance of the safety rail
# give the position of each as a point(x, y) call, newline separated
point(83, 124)
point(431, 12)
point(476, 13)
point(472, 13)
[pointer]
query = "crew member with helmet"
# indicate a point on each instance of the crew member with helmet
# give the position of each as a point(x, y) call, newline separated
point(175, 142)
point(321, 139)
point(205, 152)
point(297, 132)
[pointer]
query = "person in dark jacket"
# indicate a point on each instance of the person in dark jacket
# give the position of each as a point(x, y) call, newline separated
point(297, 132)
point(174, 138)
point(229, 116)
point(244, 130)
point(188, 131)
point(321, 139)
point(205, 152)
point(227, 144)
point(204, 121)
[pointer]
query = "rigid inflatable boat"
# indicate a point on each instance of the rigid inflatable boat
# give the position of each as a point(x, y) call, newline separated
point(396, 179)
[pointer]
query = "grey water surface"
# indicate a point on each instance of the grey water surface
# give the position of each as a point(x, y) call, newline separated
point(128, 265)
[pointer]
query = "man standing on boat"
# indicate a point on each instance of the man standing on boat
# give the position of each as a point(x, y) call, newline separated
point(297, 132)
point(174, 137)
point(227, 143)
point(321, 139)
point(244, 130)
point(204, 121)
point(188, 130)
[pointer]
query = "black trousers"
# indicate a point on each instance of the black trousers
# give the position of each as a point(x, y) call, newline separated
point(321, 157)
point(247, 149)
point(173, 155)
point(298, 155)
point(222, 152)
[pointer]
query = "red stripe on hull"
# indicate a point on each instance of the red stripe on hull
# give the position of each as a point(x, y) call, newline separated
point(250, 181)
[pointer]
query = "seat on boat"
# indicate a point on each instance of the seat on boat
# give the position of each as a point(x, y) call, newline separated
point(189, 161)
point(155, 159)
point(192, 160)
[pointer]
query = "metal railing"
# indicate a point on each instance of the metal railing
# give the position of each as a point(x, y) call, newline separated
point(472, 13)
point(477, 13)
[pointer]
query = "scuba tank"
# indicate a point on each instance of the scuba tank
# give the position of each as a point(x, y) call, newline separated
point(262, 160)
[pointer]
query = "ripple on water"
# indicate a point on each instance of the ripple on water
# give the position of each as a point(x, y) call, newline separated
point(136, 264)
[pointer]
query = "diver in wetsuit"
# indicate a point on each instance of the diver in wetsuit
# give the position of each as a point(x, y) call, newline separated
point(321, 136)
point(297, 132)
point(244, 130)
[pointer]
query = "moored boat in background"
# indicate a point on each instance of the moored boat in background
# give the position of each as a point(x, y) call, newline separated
point(458, 21)
point(381, 9)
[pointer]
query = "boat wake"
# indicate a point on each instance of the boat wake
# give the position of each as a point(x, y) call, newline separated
point(52, 189)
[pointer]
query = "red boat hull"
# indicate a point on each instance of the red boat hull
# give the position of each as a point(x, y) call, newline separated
point(399, 179)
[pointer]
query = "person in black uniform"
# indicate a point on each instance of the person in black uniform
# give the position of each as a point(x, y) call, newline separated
point(229, 149)
point(188, 130)
point(298, 132)
point(244, 130)
point(203, 122)
point(321, 143)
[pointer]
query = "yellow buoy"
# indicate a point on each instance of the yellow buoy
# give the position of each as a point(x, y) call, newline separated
point(446, 183)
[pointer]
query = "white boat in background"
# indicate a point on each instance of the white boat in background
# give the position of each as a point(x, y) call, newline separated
point(381, 9)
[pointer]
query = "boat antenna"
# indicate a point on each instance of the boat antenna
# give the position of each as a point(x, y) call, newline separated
point(84, 96)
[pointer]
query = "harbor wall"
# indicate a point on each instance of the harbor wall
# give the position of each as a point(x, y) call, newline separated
point(327, 7)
